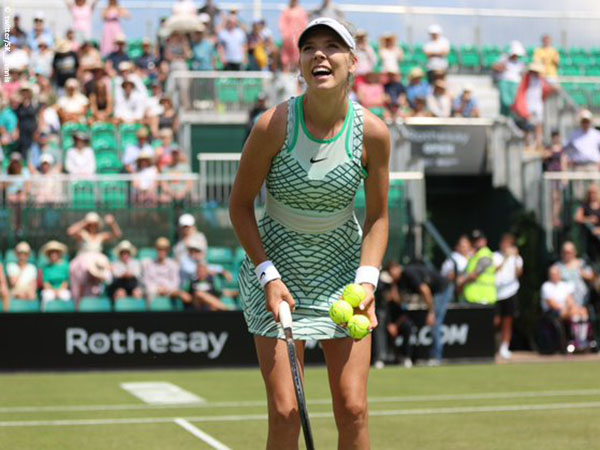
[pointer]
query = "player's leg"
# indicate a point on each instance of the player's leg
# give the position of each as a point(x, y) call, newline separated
point(348, 367)
point(284, 419)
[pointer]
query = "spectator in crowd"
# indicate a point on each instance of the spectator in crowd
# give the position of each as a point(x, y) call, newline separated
point(454, 267)
point(16, 78)
point(556, 160)
point(395, 95)
point(70, 38)
point(45, 189)
point(127, 72)
point(328, 9)
point(177, 53)
point(98, 73)
point(65, 65)
point(147, 62)
point(55, 273)
point(367, 58)
point(90, 240)
point(558, 301)
point(161, 276)
point(575, 271)
point(420, 108)
point(509, 71)
point(80, 159)
point(583, 145)
point(126, 273)
point(4, 295)
point(131, 106)
point(133, 151)
point(371, 93)
point(257, 110)
point(202, 294)
point(588, 216)
point(211, 11)
point(72, 107)
point(39, 32)
point(49, 122)
point(144, 181)
point(168, 118)
point(17, 32)
point(9, 122)
point(96, 277)
point(187, 232)
point(153, 107)
point(480, 276)
point(41, 61)
point(203, 51)
point(17, 191)
point(439, 102)
point(164, 150)
point(89, 57)
point(26, 112)
point(195, 255)
point(509, 268)
point(232, 45)
point(292, 21)
point(112, 16)
point(18, 58)
point(45, 144)
point(465, 105)
point(257, 53)
point(22, 275)
point(436, 49)
point(417, 86)
point(117, 56)
point(82, 12)
point(549, 57)
point(101, 101)
point(176, 191)
point(390, 54)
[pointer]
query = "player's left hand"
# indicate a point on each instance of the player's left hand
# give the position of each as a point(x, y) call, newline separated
point(367, 307)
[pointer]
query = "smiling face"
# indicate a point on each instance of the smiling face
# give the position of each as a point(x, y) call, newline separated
point(325, 61)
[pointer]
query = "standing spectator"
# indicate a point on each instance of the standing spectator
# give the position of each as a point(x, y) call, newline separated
point(22, 275)
point(39, 32)
point(101, 101)
point(232, 45)
point(417, 86)
point(117, 56)
point(480, 280)
point(292, 21)
point(133, 151)
point(176, 191)
point(72, 107)
point(26, 113)
point(4, 295)
point(509, 268)
point(45, 189)
point(202, 293)
point(80, 160)
point(436, 49)
point(257, 52)
point(55, 273)
point(575, 271)
point(509, 71)
point(112, 16)
point(583, 146)
point(371, 93)
point(161, 276)
point(65, 65)
point(41, 61)
point(465, 105)
point(549, 57)
point(328, 9)
point(390, 53)
point(203, 51)
point(454, 267)
point(16, 191)
point(211, 11)
point(82, 12)
point(439, 103)
point(187, 232)
point(367, 58)
point(131, 106)
point(177, 52)
point(588, 216)
point(126, 273)
point(144, 181)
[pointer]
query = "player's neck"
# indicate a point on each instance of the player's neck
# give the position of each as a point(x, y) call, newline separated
point(325, 110)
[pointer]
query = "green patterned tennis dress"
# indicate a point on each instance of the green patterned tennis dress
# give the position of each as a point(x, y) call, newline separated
point(309, 229)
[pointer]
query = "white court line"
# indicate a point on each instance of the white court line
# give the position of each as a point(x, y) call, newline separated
point(319, 415)
point(325, 401)
point(207, 438)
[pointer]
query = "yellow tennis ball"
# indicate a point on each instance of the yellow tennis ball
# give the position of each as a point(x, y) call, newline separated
point(354, 294)
point(358, 326)
point(341, 312)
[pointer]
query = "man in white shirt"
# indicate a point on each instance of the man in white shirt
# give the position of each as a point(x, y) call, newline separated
point(437, 50)
point(509, 267)
point(80, 159)
point(583, 146)
point(453, 268)
point(130, 107)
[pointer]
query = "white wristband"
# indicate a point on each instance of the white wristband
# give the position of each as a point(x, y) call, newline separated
point(367, 274)
point(266, 272)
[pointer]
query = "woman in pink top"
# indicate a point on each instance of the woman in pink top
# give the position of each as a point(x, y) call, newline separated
point(291, 23)
point(112, 26)
point(82, 12)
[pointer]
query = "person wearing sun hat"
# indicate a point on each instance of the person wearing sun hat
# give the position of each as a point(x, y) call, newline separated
point(161, 275)
point(126, 271)
point(72, 107)
point(55, 273)
point(417, 86)
point(144, 183)
point(81, 159)
point(22, 275)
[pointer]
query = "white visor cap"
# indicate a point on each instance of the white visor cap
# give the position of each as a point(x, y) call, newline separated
point(334, 25)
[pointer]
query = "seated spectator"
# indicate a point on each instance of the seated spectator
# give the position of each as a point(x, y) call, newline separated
point(439, 102)
point(97, 275)
point(45, 144)
point(22, 275)
point(65, 65)
point(126, 273)
point(161, 276)
point(47, 99)
point(117, 56)
point(202, 294)
point(80, 160)
point(133, 151)
point(41, 61)
point(417, 86)
point(588, 215)
point(163, 151)
point(436, 49)
point(17, 191)
point(73, 106)
point(4, 295)
point(55, 273)
point(89, 57)
point(127, 71)
point(555, 155)
point(18, 56)
point(583, 145)
point(144, 181)
point(390, 53)
point(153, 107)
point(101, 102)
point(395, 95)
point(420, 109)
point(146, 62)
point(27, 114)
point(203, 51)
point(371, 93)
point(45, 188)
point(188, 232)
point(575, 271)
point(367, 58)
point(131, 107)
point(98, 73)
point(176, 191)
point(168, 118)
point(558, 301)
point(9, 130)
point(465, 105)
point(549, 57)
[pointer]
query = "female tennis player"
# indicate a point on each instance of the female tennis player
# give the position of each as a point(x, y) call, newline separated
point(313, 151)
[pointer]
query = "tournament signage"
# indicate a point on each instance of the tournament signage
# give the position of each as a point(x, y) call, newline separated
point(448, 146)
point(183, 339)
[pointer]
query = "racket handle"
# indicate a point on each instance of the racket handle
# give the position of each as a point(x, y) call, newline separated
point(285, 315)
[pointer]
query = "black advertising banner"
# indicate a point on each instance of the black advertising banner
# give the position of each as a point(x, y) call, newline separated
point(448, 148)
point(181, 339)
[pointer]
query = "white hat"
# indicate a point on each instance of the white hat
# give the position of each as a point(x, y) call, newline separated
point(98, 265)
point(434, 29)
point(187, 220)
point(23, 247)
point(39, 16)
point(585, 114)
point(46, 158)
point(516, 48)
point(468, 87)
point(196, 243)
point(334, 25)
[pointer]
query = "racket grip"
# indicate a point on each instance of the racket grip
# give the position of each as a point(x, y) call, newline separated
point(285, 315)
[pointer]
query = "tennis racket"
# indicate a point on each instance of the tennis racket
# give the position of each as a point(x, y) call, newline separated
point(285, 318)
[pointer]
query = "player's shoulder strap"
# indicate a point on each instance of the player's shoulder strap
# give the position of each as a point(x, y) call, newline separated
point(292, 124)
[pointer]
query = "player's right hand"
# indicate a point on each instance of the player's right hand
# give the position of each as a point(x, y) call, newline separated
point(275, 293)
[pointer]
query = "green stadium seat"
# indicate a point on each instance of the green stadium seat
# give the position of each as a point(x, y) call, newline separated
point(130, 304)
point(595, 100)
point(67, 130)
point(24, 306)
point(453, 58)
point(104, 143)
point(83, 196)
point(147, 253)
point(569, 71)
point(228, 90)
point(579, 97)
point(108, 162)
point(127, 133)
point(252, 89)
point(219, 255)
point(469, 57)
point(59, 306)
point(114, 194)
point(166, 304)
point(592, 71)
point(11, 256)
point(95, 304)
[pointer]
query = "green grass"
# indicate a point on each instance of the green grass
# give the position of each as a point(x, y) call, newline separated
point(559, 408)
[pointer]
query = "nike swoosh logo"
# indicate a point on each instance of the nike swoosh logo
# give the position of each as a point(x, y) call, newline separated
point(262, 275)
point(313, 160)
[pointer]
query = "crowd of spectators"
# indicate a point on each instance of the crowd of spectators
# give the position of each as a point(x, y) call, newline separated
point(180, 272)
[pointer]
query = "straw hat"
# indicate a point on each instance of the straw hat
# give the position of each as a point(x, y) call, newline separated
point(145, 154)
point(125, 246)
point(162, 242)
point(54, 246)
point(23, 247)
point(536, 67)
point(92, 217)
point(585, 114)
point(416, 72)
point(195, 244)
point(98, 266)
point(72, 82)
point(63, 46)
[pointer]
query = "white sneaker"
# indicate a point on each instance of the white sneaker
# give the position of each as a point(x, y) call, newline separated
point(505, 353)
point(379, 364)
point(407, 363)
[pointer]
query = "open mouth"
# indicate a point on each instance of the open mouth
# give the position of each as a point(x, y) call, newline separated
point(321, 72)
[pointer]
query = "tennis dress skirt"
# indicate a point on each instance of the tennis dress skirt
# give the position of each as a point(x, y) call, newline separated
point(309, 229)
